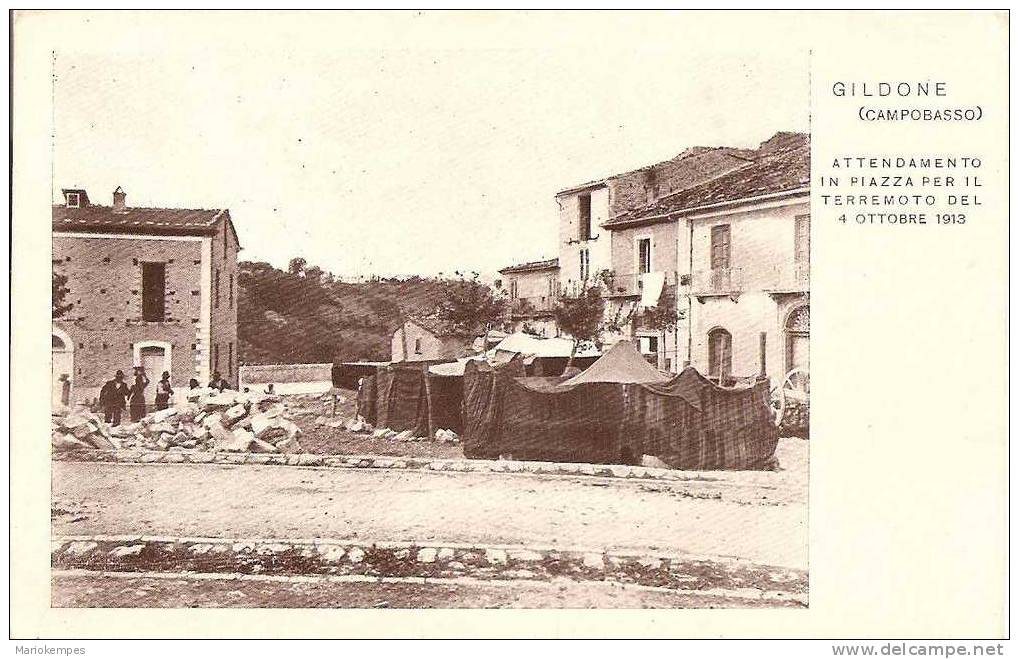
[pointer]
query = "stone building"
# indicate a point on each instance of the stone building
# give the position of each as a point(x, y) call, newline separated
point(532, 289)
point(152, 287)
point(720, 235)
point(584, 211)
point(429, 339)
point(735, 250)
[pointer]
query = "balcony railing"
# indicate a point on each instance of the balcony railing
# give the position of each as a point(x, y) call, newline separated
point(632, 284)
point(787, 276)
point(524, 307)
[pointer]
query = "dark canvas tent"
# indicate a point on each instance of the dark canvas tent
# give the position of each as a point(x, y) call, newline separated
point(621, 363)
point(686, 421)
point(407, 397)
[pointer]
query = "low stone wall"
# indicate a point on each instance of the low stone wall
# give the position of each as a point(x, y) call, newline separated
point(288, 378)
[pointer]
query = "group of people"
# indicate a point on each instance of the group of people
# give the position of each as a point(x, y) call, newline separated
point(116, 395)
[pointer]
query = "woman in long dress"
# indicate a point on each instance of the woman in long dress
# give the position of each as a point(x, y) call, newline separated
point(136, 395)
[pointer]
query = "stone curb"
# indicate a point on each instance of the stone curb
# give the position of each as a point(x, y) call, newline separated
point(360, 560)
point(791, 599)
point(185, 456)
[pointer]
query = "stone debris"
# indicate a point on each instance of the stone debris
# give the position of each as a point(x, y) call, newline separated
point(210, 420)
point(360, 426)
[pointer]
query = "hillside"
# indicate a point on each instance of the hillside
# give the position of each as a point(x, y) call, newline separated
point(304, 316)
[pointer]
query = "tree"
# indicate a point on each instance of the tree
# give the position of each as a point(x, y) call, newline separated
point(470, 305)
point(663, 317)
point(580, 316)
point(297, 265)
point(60, 292)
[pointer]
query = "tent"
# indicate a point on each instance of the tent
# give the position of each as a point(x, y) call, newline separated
point(686, 421)
point(408, 396)
point(622, 363)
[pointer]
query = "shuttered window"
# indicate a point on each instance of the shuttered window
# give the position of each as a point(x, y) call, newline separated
point(720, 247)
point(803, 239)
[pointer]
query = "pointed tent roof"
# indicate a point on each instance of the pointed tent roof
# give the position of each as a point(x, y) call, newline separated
point(622, 363)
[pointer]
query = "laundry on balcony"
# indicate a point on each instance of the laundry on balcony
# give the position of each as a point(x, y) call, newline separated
point(651, 286)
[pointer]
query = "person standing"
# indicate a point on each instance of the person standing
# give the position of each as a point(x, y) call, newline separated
point(163, 392)
point(137, 394)
point(113, 397)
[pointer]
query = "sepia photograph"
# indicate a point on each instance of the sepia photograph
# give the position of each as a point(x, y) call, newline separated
point(429, 328)
point(498, 324)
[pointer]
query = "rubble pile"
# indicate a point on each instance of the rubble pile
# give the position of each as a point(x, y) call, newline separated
point(210, 421)
point(359, 426)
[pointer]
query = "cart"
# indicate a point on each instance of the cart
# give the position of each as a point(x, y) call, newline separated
point(790, 400)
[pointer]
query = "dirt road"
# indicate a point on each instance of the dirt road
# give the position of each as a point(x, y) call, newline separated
point(391, 505)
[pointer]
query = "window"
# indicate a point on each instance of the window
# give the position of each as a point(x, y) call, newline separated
point(719, 353)
point(649, 348)
point(417, 346)
point(73, 200)
point(584, 203)
point(643, 255)
point(720, 247)
point(230, 357)
point(153, 292)
point(513, 289)
point(231, 291)
point(217, 288)
point(215, 357)
point(585, 264)
point(802, 239)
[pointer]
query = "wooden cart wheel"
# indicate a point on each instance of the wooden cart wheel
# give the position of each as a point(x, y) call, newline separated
point(777, 402)
point(797, 386)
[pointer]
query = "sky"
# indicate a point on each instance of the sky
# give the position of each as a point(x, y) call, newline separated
point(400, 161)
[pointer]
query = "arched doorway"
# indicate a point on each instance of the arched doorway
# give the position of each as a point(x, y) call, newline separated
point(797, 339)
point(62, 359)
point(720, 354)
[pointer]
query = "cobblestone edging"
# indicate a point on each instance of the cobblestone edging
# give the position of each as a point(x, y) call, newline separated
point(384, 560)
point(182, 456)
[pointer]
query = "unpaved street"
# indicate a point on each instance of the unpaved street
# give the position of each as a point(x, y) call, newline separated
point(393, 505)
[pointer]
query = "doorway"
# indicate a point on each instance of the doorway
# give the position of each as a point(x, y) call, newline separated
point(62, 351)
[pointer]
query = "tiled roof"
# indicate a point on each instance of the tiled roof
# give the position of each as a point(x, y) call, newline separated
point(718, 151)
point(440, 327)
point(548, 264)
point(162, 221)
point(782, 164)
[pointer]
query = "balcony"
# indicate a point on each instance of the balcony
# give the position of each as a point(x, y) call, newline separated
point(531, 307)
point(786, 277)
point(632, 284)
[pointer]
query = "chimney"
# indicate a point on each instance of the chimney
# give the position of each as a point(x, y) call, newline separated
point(119, 196)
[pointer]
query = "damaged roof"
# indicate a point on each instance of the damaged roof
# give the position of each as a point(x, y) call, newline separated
point(781, 164)
point(532, 266)
point(155, 221)
point(692, 152)
point(440, 327)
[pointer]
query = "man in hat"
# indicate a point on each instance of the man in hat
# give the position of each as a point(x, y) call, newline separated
point(113, 398)
point(218, 382)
